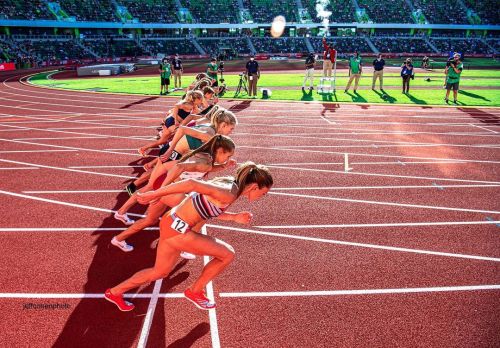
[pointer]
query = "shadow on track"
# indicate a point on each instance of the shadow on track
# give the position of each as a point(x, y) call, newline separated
point(142, 101)
point(98, 323)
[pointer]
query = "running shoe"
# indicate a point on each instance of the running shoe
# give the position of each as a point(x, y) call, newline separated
point(124, 218)
point(122, 245)
point(118, 300)
point(188, 256)
point(199, 299)
point(131, 188)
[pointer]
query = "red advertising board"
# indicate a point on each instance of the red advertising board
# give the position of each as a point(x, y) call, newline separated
point(7, 66)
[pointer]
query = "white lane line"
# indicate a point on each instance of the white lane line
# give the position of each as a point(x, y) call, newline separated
point(361, 245)
point(489, 130)
point(63, 203)
point(36, 151)
point(347, 188)
point(381, 175)
point(400, 163)
point(19, 168)
point(76, 191)
point(80, 296)
point(394, 204)
point(69, 147)
point(68, 229)
point(362, 154)
point(212, 315)
point(360, 291)
point(95, 167)
point(66, 169)
point(396, 224)
point(65, 138)
point(143, 339)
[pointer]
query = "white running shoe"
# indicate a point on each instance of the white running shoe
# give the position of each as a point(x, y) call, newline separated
point(188, 256)
point(124, 218)
point(122, 245)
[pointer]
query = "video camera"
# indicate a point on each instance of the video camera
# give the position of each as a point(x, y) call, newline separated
point(221, 66)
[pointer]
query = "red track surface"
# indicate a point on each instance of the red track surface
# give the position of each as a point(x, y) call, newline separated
point(321, 235)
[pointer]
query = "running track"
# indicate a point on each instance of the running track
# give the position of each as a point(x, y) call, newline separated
point(403, 250)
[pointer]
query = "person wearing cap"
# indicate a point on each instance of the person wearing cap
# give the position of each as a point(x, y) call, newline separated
point(329, 55)
point(309, 71)
point(453, 72)
point(253, 75)
point(212, 72)
point(178, 70)
point(406, 74)
point(355, 70)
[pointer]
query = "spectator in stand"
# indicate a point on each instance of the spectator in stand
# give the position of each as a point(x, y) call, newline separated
point(355, 70)
point(378, 72)
point(178, 69)
point(407, 74)
point(165, 72)
point(253, 75)
point(309, 71)
point(212, 71)
point(329, 55)
point(453, 72)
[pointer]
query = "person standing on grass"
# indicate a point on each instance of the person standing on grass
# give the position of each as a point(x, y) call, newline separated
point(309, 71)
point(453, 72)
point(378, 71)
point(406, 74)
point(355, 70)
point(253, 75)
point(165, 72)
point(178, 70)
point(329, 55)
point(180, 229)
point(213, 71)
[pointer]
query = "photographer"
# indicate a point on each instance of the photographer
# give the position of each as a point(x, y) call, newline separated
point(407, 74)
point(309, 71)
point(221, 69)
point(453, 71)
point(253, 75)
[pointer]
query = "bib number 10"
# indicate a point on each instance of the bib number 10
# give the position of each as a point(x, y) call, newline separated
point(179, 225)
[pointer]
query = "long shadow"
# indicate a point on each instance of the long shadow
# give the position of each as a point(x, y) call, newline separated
point(385, 96)
point(415, 100)
point(356, 97)
point(98, 323)
point(482, 116)
point(196, 333)
point(142, 101)
point(245, 104)
point(329, 107)
point(473, 95)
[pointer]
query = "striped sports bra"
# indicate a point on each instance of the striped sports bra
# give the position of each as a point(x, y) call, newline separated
point(205, 207)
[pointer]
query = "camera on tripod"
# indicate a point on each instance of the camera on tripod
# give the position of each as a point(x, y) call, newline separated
point(221, 66)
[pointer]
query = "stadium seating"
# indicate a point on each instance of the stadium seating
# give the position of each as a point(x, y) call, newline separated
point(213, 47)
point(21, 9)
point(487, 10)
point(467, 46)
point(152, 11)
point(399, 45)
point(264, 11)
point(437, 11)
point(56, 50)
point(169, 47)
point(221, 11)
point(342, 44)
point(89, 10)
point(387, 11)
point(342, 11)
point(281, 45)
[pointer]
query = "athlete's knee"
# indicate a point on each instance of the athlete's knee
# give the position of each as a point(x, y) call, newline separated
point(228, 255)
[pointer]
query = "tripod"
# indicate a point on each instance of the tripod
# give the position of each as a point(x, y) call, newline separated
point(241, 85)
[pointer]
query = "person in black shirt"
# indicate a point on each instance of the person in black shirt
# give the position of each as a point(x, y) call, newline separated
point(253, 74)
point(378, 72)
point(309, 71)
point(177, 71)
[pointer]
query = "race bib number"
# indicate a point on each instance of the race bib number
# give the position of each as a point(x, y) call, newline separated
point(173, 156)
point(179, 225)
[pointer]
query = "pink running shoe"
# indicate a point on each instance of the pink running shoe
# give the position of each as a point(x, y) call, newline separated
point(199, 299)
point(118, 300)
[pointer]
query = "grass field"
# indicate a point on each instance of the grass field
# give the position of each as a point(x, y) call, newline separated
point(478, 87)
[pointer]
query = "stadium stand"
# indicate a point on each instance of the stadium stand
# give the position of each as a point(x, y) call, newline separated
point(400, 44)
point(343, 44)
point(89, 10)
point(213, 46)
point(169, 46)
point(21, 9)
point(264, 11)
point(342, 12)
point(387, 11)
point(152, 11)
point(281, 45)
point(442, 12)
point(221, 11)
point(487, 10)
point(56, 49)
point(468, 46)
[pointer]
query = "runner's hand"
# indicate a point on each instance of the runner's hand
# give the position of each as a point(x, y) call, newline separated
point(146, 197)
point(243, 218)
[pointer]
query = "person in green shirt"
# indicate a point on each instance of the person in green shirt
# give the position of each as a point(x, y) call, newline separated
point(165, 73)
point(355, 70)
point(212, 71)
point(453, 72)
